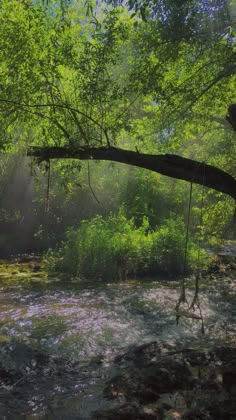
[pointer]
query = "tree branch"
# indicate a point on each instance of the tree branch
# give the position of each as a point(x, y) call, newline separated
point(170, 165)
point(62, 106)
point(222, 121)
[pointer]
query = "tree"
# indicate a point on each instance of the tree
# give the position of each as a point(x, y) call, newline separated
point(89, 83)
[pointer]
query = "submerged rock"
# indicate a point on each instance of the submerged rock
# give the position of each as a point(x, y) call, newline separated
point(128, 411)
point(183, 384)
point(17, 359)
point(146, 383)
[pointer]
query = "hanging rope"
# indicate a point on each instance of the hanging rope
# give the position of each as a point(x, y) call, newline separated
point(182, 298)
point(48, 170)
point(90, 186)
point(199, 259)
point(195, 301)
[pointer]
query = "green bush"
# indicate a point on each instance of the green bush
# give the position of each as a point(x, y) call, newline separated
point(168, 247)
point(116, 249)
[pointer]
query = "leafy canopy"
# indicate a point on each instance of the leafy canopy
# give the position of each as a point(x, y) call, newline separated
point(151, 75)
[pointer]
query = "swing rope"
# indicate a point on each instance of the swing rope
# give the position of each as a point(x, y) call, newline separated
point(183, 299)
point(199, 259)
point(48, 170)
point(196, 301)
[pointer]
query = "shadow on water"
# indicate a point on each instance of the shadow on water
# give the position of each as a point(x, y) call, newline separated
point(58, 338)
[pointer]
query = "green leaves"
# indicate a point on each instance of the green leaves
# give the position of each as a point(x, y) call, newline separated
point(116, 249)
point(79, 75)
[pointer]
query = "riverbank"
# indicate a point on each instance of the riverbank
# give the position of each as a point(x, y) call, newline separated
point(22, 267)
point(153, 381)
point(157, 382)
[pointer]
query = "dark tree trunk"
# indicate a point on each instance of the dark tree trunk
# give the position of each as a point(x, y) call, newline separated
point(170, 165)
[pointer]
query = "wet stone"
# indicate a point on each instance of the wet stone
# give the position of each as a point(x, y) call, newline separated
point(129, 411)
point(16, 359)
point(169, 382)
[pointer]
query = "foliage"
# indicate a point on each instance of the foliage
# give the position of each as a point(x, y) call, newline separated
point(114, 248)
point(152, 76)
point(176, 17)
point(69, 77)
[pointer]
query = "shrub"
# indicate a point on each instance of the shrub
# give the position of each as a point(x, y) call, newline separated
point(116, 249)
point(168, 247)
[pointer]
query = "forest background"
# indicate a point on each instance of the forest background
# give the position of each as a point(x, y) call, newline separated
point(151, 77)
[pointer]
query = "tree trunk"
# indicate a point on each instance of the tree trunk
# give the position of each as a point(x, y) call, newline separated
point(170, 165)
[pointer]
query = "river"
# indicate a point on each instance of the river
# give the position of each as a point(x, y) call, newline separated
point(81, 327)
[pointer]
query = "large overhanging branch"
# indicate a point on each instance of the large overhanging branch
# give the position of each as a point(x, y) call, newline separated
point(170, 165)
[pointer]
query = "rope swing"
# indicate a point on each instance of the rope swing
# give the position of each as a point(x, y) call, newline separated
point(183, 308)
point(48, 172)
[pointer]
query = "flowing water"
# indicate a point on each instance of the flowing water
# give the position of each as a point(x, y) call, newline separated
point(81, 327)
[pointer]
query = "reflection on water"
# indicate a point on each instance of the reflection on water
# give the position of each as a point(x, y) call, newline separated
point(103, 319)
point(90, 324)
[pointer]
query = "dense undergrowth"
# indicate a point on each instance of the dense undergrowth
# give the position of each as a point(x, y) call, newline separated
point(115, 248)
